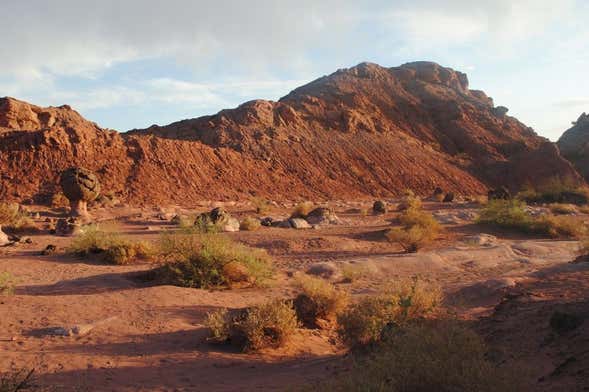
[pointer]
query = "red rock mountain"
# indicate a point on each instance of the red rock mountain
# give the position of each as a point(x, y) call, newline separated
point(574, 144)
point(363, 131)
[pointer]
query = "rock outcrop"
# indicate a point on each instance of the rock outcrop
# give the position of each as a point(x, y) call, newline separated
point(366, 131)
point(574, 145)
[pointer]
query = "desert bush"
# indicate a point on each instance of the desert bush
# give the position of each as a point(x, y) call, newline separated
point(559, 208)
point(267, 325)
point(7, 283)
point(210, 260)
point(16, 381)
point(250, 224)
point(202, 224)
point(318, 300)
point(364, 322)
point(418, 228)
point(511, 214)
point(428, 356)
point(262, 206)
point(410, 201)
point(109, 246)
point(354, 271)
point(15, 219)
point(555, 190)
point(302, 209)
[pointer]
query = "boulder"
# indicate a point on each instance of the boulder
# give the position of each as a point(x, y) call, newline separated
point(299, 223)
point(219, 218)
point(322, 216)
point(3, 238)
point(379, 207)
point(80, 186)
point(267, 221)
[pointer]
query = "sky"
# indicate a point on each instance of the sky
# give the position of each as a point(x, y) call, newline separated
point(132, 63)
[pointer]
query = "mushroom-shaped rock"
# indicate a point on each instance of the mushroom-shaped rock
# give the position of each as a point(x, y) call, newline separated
point(80, 186)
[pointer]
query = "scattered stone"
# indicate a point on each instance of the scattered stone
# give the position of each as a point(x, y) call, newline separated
point(500, 111)
point(267, 221)
point(299, 223)
point(501, 193)
point(37, 216)
point(166, 216)
point(449, 197)
point(438, 194)
point(49, 250)
point(67, 227)
point(322, 216)
point(379, 207)
point(219, 218)
point(283, 224)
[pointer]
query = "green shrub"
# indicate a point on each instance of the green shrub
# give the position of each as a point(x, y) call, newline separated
point(267, 325)
point(302, 209)
point(511, 214)
point(7, 283)
point(406, 300)
point(250, 224)
point(555, 190)
point(318, 300)
point(109, 246)
point(418, 228)
point(410, 201)
point(211, 260)
point(427, 356)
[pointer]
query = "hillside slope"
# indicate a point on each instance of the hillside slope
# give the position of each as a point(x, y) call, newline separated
point(363, 131)
point(574, 144)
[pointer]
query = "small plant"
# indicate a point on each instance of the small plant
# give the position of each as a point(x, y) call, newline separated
point(318, 300)
point(267, 325)
point(559, 208)
point(261, 206)
point(109, 246)
point(418, 229)
point(428, 356)
point(7, 283)
point(250, 224)
point(354, 271)
point(302, 209)
point(17, 381)
point(406, 300)
point(410, 201)
point(211, 260)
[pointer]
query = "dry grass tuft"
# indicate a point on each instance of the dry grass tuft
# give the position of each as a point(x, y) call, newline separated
point(261, 206)
point(250, 224)
point(428, 356)
point(15, 219)
point(418, 229)
point(403, 301)
point(109, 246)
point(267, 325)
point(318, 300)
point(302, 209)
point(211, 260)
point(7, 283)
